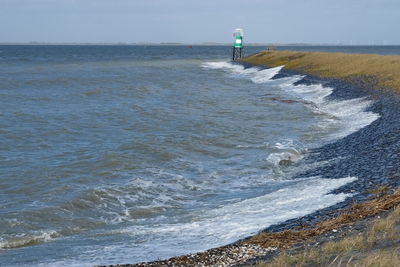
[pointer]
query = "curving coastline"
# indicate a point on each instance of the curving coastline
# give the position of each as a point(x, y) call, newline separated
point(371, 154)
point(376, 71)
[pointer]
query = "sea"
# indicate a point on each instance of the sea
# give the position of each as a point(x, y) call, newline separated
point(124, 154)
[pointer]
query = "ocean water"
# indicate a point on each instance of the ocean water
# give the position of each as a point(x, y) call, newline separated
point(123, 154)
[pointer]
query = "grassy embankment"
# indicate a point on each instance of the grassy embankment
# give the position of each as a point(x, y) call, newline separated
point(379, 243)
point(378, 246)
point(376, 71)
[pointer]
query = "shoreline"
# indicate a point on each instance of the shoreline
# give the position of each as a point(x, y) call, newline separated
point(369, 154)
point(372, 70)
point(266, 246)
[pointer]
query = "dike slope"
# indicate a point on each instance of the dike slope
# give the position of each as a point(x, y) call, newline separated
point(376, 71)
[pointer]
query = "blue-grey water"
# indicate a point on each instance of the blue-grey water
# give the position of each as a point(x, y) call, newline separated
point(122, 154)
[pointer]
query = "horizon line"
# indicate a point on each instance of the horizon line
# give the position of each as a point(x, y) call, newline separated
point(187, 43)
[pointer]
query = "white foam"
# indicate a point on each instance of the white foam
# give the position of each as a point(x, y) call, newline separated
point(235, 68)
point(211, 228)
point(265, 75)
point(256, 74)
point(348, 116)
point(341, 118)
point(315, 93)
point(285, 81)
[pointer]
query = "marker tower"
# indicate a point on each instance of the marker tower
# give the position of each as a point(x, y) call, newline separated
point(237, 44)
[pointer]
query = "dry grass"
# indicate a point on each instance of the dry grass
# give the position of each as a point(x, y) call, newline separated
point(386, 227)
point(383, 258)
point(381, 71)
point(345, 245)
point(357, 250)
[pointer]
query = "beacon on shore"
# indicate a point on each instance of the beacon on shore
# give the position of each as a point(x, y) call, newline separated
point(237, 48)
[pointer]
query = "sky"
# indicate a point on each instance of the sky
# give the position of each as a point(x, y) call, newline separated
point(352, 22)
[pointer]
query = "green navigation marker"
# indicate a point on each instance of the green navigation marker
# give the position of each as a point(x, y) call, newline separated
point(237, 44)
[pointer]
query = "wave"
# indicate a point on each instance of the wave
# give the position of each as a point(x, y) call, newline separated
point(216, 227)
point(256, 74)
point(24, 240)
point(340, 118)
point(337, 118)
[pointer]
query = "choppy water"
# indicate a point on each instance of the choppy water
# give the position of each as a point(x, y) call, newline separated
point(125, 154)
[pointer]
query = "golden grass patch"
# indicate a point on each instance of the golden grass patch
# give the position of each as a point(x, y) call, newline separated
point(345, 245)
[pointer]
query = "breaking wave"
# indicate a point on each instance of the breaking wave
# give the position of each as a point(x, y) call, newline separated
point(340, 117)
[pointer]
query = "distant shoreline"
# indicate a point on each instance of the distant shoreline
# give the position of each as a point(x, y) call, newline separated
point(192, 44)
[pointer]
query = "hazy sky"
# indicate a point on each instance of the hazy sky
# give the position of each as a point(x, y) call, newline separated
point(196, 21)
